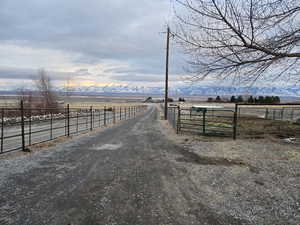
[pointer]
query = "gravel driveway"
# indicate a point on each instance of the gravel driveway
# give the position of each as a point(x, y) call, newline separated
point(121, 175)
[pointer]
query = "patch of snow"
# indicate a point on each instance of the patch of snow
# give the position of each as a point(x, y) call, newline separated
point(108, 147)
point(291, 140)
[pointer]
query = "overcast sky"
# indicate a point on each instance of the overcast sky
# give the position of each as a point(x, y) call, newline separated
point(86, 41)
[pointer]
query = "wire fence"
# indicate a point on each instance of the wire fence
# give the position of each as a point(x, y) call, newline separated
point(23, 127)
point(208, 122)
point(275, 120)
point(243, 120)
point(270, 112)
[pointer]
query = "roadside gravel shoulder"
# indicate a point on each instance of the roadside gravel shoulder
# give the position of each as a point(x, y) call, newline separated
point(255, 181)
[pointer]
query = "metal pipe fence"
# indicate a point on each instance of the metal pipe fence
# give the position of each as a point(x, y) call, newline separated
point(208, 122)
point(270, 112)
point(23, 127)
point(243, 120)
point(173, 116)
point(260, 120)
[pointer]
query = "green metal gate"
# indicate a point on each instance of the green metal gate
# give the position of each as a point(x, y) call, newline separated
point(205, 121)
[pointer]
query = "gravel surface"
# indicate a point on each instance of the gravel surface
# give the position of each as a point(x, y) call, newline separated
point(138, 172)
point(254, 180)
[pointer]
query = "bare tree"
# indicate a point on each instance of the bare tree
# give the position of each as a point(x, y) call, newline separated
point(245, 39)
point(44, 86)
point(27, 97)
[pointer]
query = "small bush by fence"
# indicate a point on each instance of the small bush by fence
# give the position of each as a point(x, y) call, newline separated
point(244, 120)
point(23, 127)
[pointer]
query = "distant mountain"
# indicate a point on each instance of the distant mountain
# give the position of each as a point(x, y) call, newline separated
point(189, 90)
point(184, 90)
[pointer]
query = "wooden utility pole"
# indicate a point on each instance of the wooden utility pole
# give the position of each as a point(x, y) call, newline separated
point(167, 74)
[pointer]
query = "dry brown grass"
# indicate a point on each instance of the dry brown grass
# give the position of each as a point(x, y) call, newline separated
point(251, 127)
point(232, 105)
point(259, 128)
point(249, 124)
point(101, 105)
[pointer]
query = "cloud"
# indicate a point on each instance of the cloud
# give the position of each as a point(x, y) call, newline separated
point(115, 29)
point(82, 72)
point(29, 74)
point(84, 37)
point(144, 78)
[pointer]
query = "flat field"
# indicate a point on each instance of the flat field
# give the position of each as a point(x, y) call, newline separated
point(80, 101)
point(257, 121)
point(44, 125)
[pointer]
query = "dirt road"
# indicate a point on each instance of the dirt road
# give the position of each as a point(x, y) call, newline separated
point(121, 175)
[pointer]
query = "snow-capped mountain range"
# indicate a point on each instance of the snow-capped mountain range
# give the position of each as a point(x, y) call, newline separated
point(184, 90)
point(194, 90)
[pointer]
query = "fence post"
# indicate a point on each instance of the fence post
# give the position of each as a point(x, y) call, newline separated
point(99, 110)
point(178, 120)
point(120, 113)
point(86, 118)
point(29, 127)
point(94, 112)
point(114, 114)
point(51, 125)
point(91, 118)
point(125, 113)
point(203, 120)
point(267, 113)
point(68, 121)
point(282, 110)
point(104, 115)
point(76, 121)
point(2, 129)
point(235, 121)
point(174, 117)
point(22, 126)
